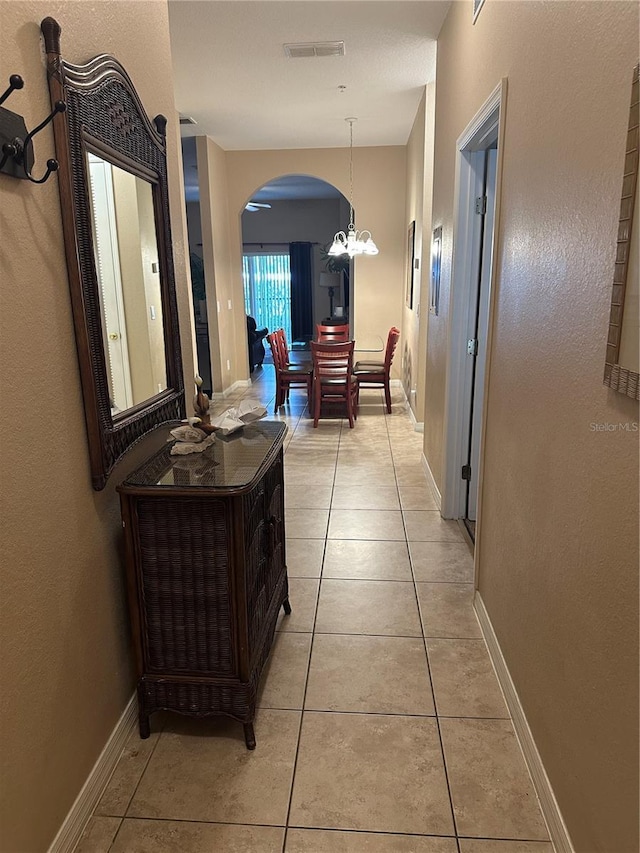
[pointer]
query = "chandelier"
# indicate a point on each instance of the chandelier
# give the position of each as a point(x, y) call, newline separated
point(353, 242)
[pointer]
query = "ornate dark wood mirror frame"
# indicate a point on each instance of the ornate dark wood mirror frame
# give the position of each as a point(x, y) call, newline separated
point(616, 376)
point(104, 115)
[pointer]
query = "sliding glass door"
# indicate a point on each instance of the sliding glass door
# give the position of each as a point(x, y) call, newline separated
point(267, 290)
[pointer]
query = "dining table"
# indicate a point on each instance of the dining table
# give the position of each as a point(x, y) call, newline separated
point(365, 343)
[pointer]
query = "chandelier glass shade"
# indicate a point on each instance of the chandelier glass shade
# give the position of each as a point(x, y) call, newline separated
point(353, 242)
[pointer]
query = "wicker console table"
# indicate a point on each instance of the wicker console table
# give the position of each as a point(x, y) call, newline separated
point(206, 573)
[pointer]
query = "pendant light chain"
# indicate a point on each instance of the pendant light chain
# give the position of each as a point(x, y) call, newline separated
point(353, 242)
point(351, 223)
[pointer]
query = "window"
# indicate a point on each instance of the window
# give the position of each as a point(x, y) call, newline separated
point(267, 290)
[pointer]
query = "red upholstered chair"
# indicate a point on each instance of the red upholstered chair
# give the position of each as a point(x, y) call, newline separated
point(333, 379)
point(377, 372)
point(287, 374)
point(335, 334)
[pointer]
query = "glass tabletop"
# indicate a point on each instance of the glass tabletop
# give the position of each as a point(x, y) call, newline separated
point(363, 343)
point(231, 462)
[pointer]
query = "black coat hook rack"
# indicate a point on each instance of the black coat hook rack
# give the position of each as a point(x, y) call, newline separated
point(16, 144)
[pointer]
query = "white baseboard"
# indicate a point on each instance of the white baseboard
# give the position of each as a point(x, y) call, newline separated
point(239, 383)
point(431, 480)
point(73, 826)
point(551, 811)
point(418, 426)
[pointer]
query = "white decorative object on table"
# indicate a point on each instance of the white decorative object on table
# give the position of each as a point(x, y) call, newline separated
point(235, 418)
point(189, 439)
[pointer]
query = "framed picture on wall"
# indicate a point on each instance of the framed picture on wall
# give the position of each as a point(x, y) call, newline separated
point(411, 245)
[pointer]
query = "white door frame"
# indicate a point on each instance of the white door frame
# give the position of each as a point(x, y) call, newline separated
point(465, 248)
point(478, 320)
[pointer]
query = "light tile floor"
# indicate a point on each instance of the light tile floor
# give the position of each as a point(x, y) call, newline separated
point(381, 726)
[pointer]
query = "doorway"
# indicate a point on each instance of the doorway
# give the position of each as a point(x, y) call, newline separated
point(287, 226)
point(476, 192)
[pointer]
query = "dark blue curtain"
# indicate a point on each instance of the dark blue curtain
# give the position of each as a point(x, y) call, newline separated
point(301, 263)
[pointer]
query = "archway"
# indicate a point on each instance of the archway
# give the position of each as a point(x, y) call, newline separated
point(287, 226)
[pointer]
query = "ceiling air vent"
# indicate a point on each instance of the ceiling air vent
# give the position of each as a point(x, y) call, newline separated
point(187, 120)
point(311, 49)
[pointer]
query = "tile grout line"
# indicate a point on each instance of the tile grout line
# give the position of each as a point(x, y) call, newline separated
point(306, 681)
point(388, 636)
point(135, 790)
point(376, 580)
point(332, 829)
point(313, 634)
point(428, 666)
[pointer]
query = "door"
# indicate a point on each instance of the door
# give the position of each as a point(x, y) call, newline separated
point(477, 342)
point(476, 215)
point(267, 290)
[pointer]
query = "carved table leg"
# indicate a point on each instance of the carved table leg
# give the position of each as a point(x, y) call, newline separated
point(249, 736)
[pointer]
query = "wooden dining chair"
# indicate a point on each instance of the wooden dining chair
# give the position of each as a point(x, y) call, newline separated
point(283, 347)
point(301, 358)
point(333, 379)
point(377, 373)
point(287, 374)
point(336, 334)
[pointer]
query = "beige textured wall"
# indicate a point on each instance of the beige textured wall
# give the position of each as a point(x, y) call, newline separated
point(223, 270)
point(558, 552)
point(425, 260)
point(407, 351)
point(66, 670)
point(379, 202)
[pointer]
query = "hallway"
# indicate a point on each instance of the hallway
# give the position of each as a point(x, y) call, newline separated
point(381, 726)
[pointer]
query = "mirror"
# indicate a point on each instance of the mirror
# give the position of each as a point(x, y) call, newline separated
point(622, 365)
point(629, 353)
point(115, 216)
point(126, 258)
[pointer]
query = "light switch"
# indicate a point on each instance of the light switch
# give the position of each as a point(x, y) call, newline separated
point(152, 311)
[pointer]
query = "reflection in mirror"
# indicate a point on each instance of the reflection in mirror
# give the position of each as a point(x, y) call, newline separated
point(126, 256)
point(629, 355)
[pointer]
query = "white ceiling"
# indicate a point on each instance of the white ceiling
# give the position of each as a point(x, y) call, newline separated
point(231, 74)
